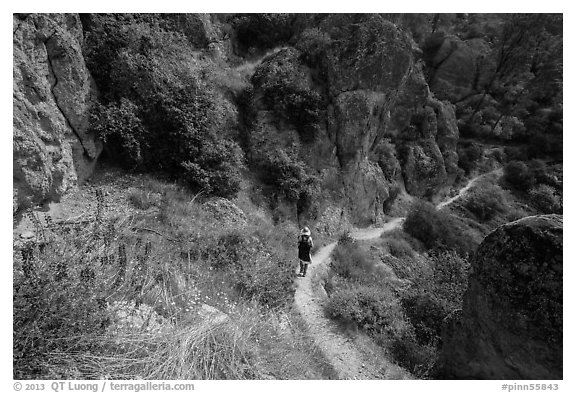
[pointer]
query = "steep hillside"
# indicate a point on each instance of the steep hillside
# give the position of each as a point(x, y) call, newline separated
point(164, 164)
point(333, 111)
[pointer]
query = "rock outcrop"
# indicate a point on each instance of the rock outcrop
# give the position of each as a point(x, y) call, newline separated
point(376, 97)
point(52, 93)
point(511, 323)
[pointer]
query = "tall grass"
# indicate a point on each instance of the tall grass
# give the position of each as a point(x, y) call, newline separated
point(119, 297)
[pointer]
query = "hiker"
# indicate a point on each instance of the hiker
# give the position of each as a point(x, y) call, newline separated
point(305, 244)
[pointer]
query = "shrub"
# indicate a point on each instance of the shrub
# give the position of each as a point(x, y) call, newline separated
point(258, 272)
point(545, 199)
point(486, 202)
point(352, 262)
point(418, 359)
point(375, 309)
point(121, 129)
point(290, 175)
point(435, 294)
point(285, 89)
point(399, 248)
point(160, 114)
point(518, 175)
point(468, 157)
point(437, 229)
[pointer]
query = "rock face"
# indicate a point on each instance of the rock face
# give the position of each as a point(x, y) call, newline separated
point(426, 133)
point(511, 323)
point(457, 67)
point(52, 93)
point(376, 99)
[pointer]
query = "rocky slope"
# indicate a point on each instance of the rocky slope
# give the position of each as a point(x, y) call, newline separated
point(511, 323)
point(379, 129)
point(52, 92)
point(382, 129)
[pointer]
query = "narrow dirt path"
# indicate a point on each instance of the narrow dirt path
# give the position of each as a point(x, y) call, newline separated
point(348, 361)
point(468, 186)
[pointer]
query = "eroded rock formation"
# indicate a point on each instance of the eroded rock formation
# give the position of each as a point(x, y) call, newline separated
point(376, 95)
point(511, 323)
point(52, 93)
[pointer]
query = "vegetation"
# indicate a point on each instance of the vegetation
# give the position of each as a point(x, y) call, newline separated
point(468, 157)
point(124, 297)
point(285, 91)
point(408, 322)
point(437, 229)
point(518, 175)
point(486, 202)
point(157, 112)
point(174, 288)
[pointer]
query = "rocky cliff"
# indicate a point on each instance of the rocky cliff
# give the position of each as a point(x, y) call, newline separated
point(456, 67)
point(378, 129)
point(382, 129)
point(511, 323)
point(52, 92)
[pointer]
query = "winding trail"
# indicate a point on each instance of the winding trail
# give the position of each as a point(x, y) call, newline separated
point(468, 186)
point(348, 360)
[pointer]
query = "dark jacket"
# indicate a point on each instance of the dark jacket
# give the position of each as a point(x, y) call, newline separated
point(305, 244)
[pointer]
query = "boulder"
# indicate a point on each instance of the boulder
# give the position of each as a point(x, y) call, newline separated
point(52, 94)
point(510, 326)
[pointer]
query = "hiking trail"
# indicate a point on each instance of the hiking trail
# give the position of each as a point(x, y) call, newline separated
point(348, 361)
point(342, 351)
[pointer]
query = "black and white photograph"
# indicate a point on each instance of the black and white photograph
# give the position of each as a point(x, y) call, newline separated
point(286, 196)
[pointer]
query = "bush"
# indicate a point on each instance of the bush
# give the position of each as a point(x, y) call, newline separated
point(518, 175)
point(285, 89)
point(159, 113)
point(399, 248)
point(437, 229)
point(375, 309)
point(486, 202)
point(468, 157)
point(258, 272)
point(352, 262)
point(545, 199)
point(288, 174)
point(121, 129)
point(436, 294)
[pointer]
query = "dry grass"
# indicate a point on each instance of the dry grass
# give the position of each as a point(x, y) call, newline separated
point(157, 265)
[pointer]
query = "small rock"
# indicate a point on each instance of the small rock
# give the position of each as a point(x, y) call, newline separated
point(27, 235)
point(207, 312)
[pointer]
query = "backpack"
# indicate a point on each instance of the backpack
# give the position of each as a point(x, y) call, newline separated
point(304, 244)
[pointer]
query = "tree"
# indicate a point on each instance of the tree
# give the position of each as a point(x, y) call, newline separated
point(526, 49)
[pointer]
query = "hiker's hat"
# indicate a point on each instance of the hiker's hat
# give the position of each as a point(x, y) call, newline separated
point(305, 231)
